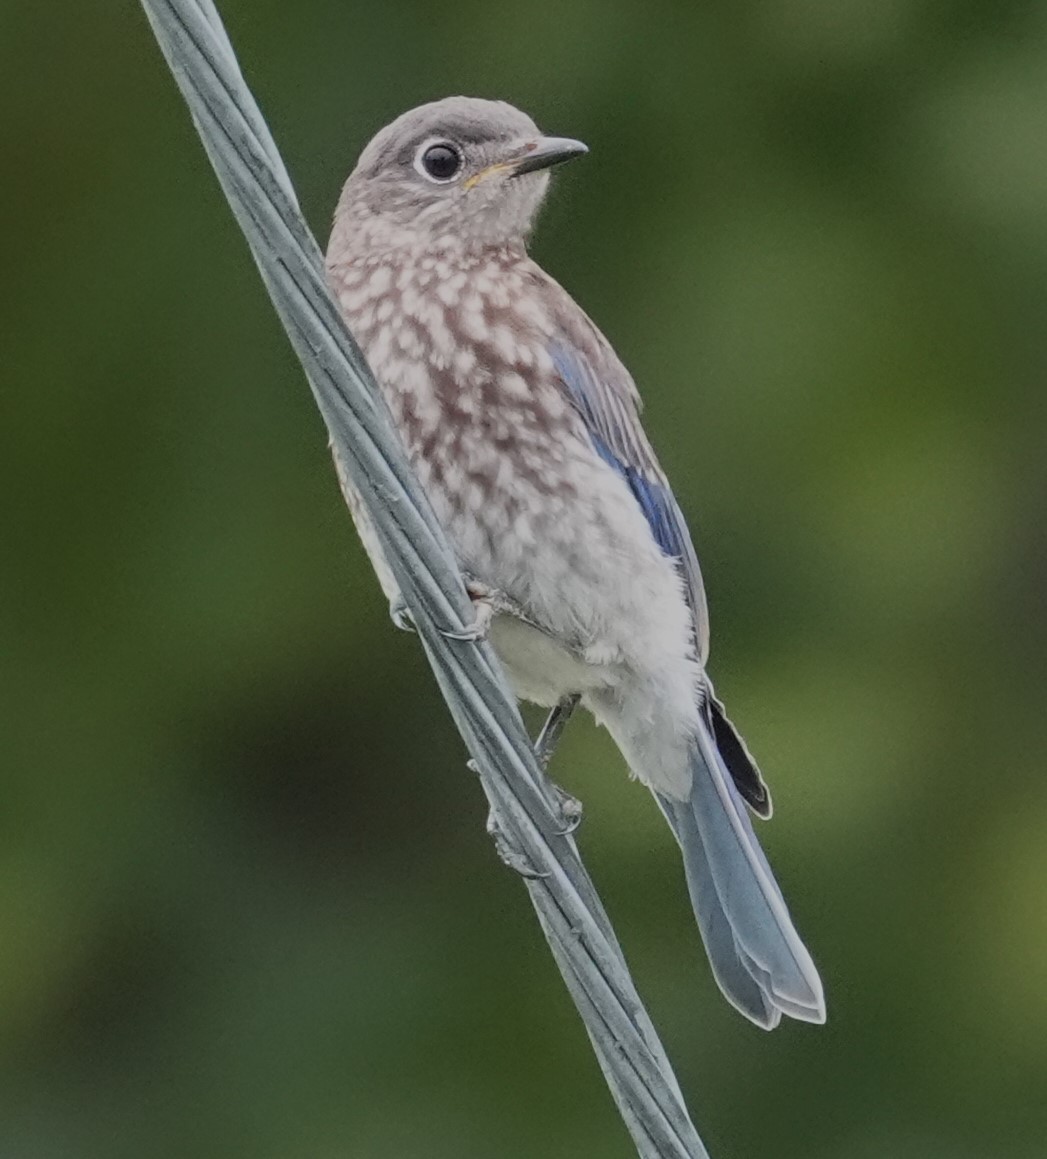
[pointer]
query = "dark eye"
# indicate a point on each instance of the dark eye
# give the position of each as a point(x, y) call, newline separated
point(441, 161)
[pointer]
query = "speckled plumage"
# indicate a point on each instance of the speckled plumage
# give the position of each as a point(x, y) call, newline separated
point(523, 428)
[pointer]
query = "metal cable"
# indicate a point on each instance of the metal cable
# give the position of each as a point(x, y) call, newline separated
point(524, 810)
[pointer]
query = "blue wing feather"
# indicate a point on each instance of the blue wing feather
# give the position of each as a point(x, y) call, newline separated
point(610, 413)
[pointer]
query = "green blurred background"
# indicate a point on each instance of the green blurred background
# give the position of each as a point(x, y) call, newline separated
point(247, 905)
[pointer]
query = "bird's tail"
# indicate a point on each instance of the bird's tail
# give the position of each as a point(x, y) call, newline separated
point(757, 957)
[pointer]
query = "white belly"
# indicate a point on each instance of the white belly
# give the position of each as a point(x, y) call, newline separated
point(539, 668)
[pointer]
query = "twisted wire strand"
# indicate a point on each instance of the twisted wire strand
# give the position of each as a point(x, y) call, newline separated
point(234, 134)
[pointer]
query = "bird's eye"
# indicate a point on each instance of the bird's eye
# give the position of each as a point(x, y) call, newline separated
point(440, 161)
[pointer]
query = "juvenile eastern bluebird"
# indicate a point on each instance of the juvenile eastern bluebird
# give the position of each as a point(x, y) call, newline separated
point(523, 427)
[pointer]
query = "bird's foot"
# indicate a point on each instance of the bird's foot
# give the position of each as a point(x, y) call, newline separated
point(569, 809)
point(399, 614)
point(552, 730)
point(487, 603)
point(509, 853)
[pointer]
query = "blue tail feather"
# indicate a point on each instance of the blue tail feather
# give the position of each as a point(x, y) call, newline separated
point(757, 956)
point(733, 970)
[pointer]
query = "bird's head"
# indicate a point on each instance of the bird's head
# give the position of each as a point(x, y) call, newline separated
point(460, 170)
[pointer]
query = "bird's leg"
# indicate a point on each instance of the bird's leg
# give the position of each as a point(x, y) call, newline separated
point(552, 730)
point(570, 807)
point(489, 602)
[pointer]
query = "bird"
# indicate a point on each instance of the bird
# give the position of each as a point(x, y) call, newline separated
point(523, 428)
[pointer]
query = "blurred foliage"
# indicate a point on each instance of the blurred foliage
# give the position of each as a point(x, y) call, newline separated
point(248, 906)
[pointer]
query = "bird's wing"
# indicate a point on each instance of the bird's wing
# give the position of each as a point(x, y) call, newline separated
point(602, 392)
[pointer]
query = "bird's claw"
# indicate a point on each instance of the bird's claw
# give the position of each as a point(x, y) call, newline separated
point(478, 629)
point(570, 810)
point(484, 605)
point(487, 603)
point(400, 615)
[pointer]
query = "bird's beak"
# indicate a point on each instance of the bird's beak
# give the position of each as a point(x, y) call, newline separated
point(544, 152)
point(535, 155)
